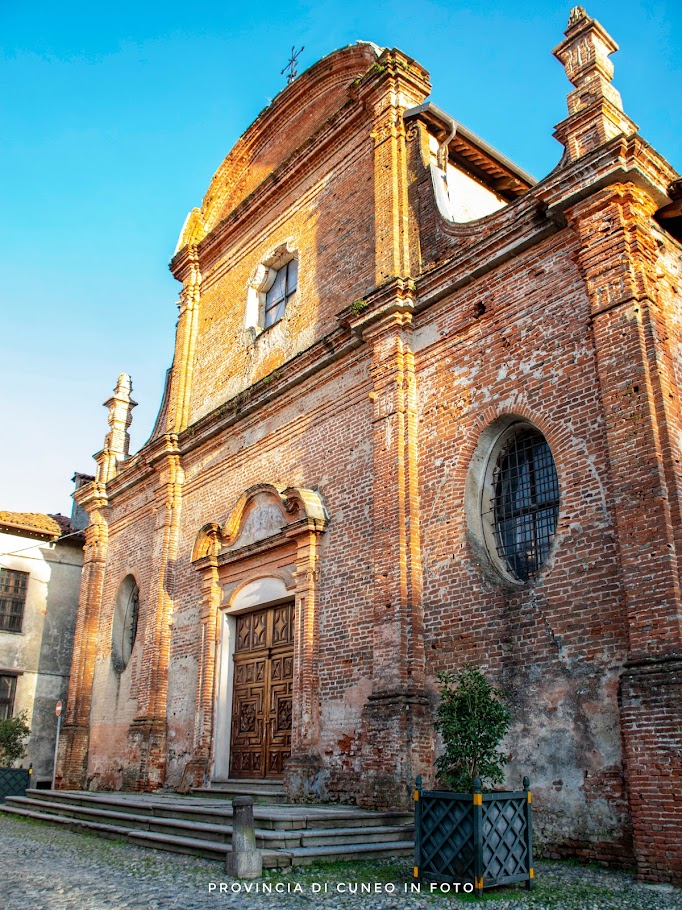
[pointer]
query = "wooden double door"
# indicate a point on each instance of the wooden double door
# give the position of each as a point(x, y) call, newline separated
point(260, 738)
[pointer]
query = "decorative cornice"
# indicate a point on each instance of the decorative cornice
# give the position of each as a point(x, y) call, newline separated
point(334, 72)
point(309, 363)
point(485, 244)
point(296, 167)
point(91, 496)
point(623, 159)
point(396, 70)
point(398, 295)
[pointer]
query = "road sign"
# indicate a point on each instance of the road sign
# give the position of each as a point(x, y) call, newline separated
point(58, 709)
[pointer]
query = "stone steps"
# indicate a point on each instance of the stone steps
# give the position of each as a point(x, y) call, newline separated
point(219, 812)
point(272, 859)
point(266, 839)
point(287, 835)
point(261, 791)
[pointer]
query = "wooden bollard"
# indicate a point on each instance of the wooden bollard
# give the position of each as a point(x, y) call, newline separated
point(245, 859)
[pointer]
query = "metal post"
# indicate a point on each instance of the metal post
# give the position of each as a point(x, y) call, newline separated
point(417, 828)
point(58, 712)
point(529, 833)
point(477, 809)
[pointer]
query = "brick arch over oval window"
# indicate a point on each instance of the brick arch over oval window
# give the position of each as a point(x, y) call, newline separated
point(270, 532)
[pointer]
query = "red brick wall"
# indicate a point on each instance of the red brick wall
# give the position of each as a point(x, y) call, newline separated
point(288, 444)
point(556, 645)
point(559, 310)
point(330, 222)
point(652, 720)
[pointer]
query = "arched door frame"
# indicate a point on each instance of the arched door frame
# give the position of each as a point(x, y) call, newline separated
point(226, 556)
point(261, 592)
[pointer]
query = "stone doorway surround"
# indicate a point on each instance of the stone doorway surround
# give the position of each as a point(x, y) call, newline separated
point(266, 551)
point(255, 678)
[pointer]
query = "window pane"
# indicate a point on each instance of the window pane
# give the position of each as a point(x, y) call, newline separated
point(275, 313)
point(12, 599)
point(292, 276)
point(8, 686)
point(276, 292)
point(525, 502)
point(282, 288)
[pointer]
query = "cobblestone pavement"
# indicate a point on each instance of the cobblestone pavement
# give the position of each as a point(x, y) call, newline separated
point(48, 868)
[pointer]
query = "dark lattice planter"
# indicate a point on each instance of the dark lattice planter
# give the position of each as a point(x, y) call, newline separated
point(484, 839)
point(14, 782)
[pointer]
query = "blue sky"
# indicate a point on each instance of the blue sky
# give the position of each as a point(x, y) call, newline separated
point(115, 117)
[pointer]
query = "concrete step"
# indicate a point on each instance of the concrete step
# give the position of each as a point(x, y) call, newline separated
point(111, 831)
point(131, 805)
point(305, 856)
point(272, 859)
point(126, 820)
point(334, 837)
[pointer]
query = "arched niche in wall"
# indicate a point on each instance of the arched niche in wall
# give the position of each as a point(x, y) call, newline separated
point(124, 623)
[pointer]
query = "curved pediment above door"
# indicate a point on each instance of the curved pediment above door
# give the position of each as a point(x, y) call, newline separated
point(263, 515)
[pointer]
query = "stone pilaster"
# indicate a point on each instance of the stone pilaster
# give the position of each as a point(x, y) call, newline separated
point(394, 84)
point(75, 736)
point(189, 272)
point(197, 770)
point(304, 765)
point(617, 257)
point(639, 396)
point(147, 733)
point(396, 717)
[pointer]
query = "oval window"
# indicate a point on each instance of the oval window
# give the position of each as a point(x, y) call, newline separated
point(512, 500)
point(525, 501)
point(124, 626)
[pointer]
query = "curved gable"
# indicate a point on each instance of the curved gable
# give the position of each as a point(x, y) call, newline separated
point(295, 115)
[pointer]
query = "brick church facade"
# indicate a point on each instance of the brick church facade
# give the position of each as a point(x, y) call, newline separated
point(423, 410)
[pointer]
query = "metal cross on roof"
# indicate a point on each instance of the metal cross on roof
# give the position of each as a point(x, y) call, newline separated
point(291, 65)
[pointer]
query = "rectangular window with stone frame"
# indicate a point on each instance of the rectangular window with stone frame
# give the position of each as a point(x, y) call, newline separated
point(13, 586)
point(8, 688)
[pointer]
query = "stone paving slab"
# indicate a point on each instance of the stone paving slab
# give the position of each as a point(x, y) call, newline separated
point(44, 868)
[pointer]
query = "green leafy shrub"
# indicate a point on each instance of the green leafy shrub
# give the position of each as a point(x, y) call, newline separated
point(472, 722)
point(14, 731)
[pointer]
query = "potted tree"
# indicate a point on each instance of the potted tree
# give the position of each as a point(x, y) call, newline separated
point(14, 731)
point(464, 834)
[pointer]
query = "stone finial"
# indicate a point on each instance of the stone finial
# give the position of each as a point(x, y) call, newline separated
point(595, 109)
point(576, 14)
point(117, 440)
